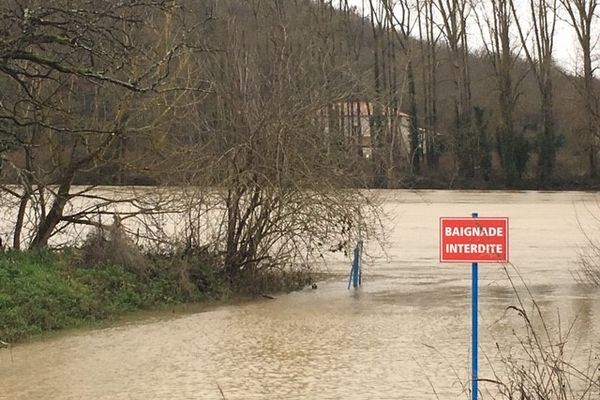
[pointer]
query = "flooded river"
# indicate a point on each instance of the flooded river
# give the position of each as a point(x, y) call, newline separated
point(403, 335)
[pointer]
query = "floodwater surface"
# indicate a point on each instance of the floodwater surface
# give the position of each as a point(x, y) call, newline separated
point(404, 335)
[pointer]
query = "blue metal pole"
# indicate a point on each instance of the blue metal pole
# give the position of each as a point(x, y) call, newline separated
point(360, 250)
point(353, 278)
point(475, 327)
point(355, 268)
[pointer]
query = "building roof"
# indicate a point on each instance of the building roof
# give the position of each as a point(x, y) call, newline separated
point(363, 108)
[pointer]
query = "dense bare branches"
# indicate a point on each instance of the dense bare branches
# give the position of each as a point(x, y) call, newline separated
point(539, 53)
point(75, 80)
point(583, 19)
point(494, 20)
point(276, 181)
point(428, 49)
point(235, 95)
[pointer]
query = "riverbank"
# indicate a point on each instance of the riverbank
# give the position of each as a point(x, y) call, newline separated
point(575, 183)
point(42, 291)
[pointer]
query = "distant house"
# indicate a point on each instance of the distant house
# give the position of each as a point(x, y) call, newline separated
point(359, 121)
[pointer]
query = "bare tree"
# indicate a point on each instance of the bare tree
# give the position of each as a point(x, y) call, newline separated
point(539, 53)
point(582, 17)
point(382, 135)
point(279, 193)
point(428, 45)
point(392, 23)
point(454, 22)
point(77, 79)
point(495, 21)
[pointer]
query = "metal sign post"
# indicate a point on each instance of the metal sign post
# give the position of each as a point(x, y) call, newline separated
point(474, 326)
point(474, 240)
point(355, 278)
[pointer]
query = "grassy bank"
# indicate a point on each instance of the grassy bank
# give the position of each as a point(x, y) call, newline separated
point(44, 291)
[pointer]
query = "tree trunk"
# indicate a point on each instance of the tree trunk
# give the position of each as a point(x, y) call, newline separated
point(547, 153)
point(590, 109)
point(20, 219)
point(46, 227)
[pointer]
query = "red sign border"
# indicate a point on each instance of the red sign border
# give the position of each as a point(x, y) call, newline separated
point(473, 261)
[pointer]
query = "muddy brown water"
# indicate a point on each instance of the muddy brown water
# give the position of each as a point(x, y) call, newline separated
point(403, 335)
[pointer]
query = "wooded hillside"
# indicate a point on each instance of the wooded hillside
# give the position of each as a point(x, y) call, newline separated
point(145, 92)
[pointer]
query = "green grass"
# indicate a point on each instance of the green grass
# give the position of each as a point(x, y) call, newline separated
point(42, 291)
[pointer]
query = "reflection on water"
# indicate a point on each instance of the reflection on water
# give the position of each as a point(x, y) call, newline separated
point(403, 334)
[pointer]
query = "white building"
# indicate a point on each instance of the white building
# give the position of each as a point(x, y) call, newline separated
point(357, 121)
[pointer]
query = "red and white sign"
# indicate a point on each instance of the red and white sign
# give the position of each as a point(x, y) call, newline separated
point(483, 240)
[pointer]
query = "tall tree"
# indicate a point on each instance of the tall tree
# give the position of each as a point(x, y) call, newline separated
point(416, 149)
point(428, 41)
point(582, 17)
point(495, 21)
point(391, 25)
point(454, 23)
point(75, 79)
point(539, 53)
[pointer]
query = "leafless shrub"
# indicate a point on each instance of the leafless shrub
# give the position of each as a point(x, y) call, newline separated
point(274, 193)
point(111, 245)
point(588, 272)
point(589, 265)
point(540, 365)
